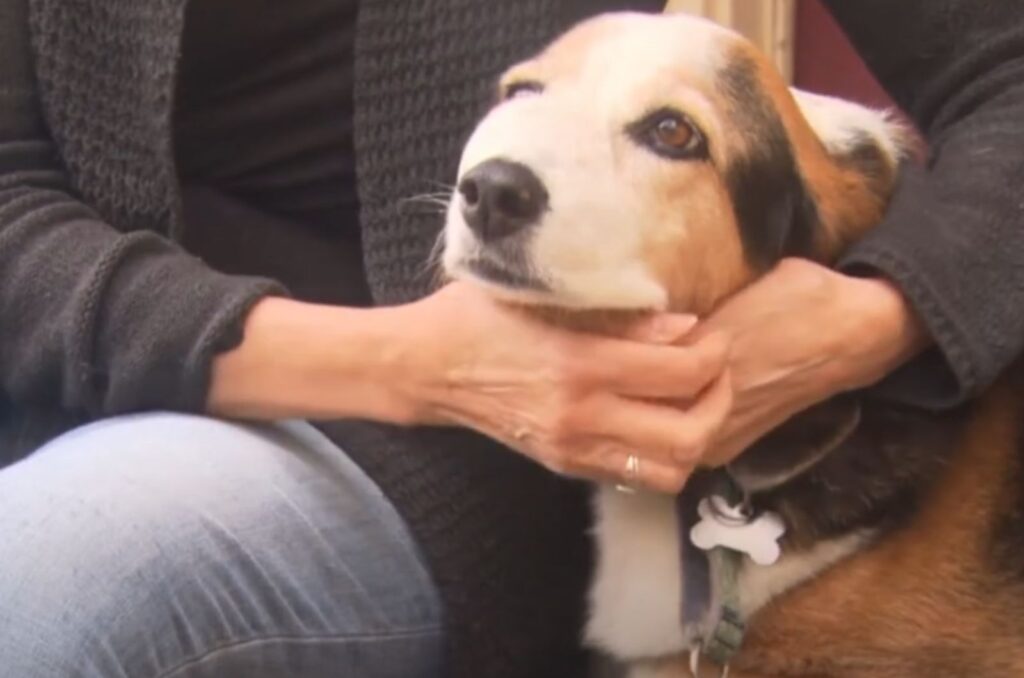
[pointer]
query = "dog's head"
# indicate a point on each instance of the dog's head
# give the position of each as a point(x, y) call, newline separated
point(648, 162)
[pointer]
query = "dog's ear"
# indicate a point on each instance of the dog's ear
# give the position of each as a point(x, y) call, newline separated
point(797, 446)
point(775, 210)
point(865, 149)
point(807, 174)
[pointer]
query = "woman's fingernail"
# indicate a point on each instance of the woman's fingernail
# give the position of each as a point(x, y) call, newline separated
point(672, 327)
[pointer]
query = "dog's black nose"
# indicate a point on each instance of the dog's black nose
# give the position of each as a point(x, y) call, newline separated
point(500, 197)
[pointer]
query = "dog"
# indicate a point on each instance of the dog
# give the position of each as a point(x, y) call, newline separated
point(654, 162)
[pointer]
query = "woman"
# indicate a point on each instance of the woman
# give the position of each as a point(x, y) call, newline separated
point(137, 136)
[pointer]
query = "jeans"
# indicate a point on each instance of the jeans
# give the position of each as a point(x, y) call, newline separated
point(172, 546)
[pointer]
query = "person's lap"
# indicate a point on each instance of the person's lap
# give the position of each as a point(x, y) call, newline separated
point(167, 546)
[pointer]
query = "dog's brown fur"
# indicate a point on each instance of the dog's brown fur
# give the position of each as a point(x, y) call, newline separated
point(940, 593)
point(934, 599)
point(931, 599)
point(849, 201)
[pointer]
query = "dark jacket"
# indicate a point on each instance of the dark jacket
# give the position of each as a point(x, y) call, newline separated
point(102, 313)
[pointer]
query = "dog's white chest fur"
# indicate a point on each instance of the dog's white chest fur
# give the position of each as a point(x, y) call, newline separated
point(636, 594)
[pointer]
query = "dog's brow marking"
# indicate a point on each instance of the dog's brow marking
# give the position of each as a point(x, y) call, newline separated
point(776, 213)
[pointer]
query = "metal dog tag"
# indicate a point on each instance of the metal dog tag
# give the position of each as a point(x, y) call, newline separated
point(730, 527)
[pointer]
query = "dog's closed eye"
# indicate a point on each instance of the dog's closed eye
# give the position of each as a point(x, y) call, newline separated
point(521, 88)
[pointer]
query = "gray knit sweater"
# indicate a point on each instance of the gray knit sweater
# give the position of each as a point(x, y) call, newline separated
point(102, 313)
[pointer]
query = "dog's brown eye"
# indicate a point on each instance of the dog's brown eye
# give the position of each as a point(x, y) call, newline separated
point(670, 134)
point(522, 88)
point(674, 133)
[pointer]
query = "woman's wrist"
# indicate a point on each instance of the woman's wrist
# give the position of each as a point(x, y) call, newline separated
point(300, 360)
point(887, 331)
point(803, 334)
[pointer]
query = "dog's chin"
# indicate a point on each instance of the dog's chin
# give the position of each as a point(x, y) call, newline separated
point(542, 299)
point(518, 296)
point(501, 281)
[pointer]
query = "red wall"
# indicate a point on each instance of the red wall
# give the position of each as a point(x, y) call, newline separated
point(827, 63)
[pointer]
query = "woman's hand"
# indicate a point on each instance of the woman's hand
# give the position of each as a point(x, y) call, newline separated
point(800, 335)
point(579, 404)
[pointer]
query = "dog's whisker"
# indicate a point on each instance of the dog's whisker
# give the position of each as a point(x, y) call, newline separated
point(424, 211)
point(437, 251)
point(426, 203)
point(449, 188)
point(430, 198)
point(432, 269)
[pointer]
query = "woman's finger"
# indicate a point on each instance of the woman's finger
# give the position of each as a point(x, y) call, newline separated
point(664, 328)
point(645, 371)
point(611, 463)
point(664, 433)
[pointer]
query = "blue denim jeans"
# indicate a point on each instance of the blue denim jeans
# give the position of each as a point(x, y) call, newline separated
point(170, 546)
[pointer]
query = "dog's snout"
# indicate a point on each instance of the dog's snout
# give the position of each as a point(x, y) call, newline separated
point(500, 198)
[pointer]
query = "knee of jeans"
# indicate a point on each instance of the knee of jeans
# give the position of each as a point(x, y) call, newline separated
point(133, 533)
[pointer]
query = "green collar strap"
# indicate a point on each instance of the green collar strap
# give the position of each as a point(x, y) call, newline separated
point(711, 579)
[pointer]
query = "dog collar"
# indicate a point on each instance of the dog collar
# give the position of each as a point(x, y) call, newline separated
point(725, 637)
point(710, 610)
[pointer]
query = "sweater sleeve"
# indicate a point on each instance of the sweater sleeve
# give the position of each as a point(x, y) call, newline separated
point(93, 320)
point(953, 237)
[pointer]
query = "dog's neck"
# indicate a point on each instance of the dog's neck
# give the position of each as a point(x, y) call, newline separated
point(871, 479)
point(849, 463)
point(612, 323)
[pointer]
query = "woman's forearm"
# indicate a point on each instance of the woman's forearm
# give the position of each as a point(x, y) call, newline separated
point(316, 362)
point(577, 403)
point(951, 240)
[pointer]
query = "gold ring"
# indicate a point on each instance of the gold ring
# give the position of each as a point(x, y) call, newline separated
point(632, 474)
point(632, 468)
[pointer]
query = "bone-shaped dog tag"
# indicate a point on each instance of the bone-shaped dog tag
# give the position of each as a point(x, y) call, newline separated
point(725, 525)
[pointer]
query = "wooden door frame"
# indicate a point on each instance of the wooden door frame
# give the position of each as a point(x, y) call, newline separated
point(768, 23)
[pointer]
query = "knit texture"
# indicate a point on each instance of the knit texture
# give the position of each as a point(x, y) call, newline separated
point(419, 87)
point(106, 76)
point(514, 599)
point(952, 239)
point(99, 314)
point(505, 540)
point(425, 72)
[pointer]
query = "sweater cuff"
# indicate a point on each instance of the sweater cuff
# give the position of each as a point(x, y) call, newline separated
point(943, 376)
point(163, 320)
